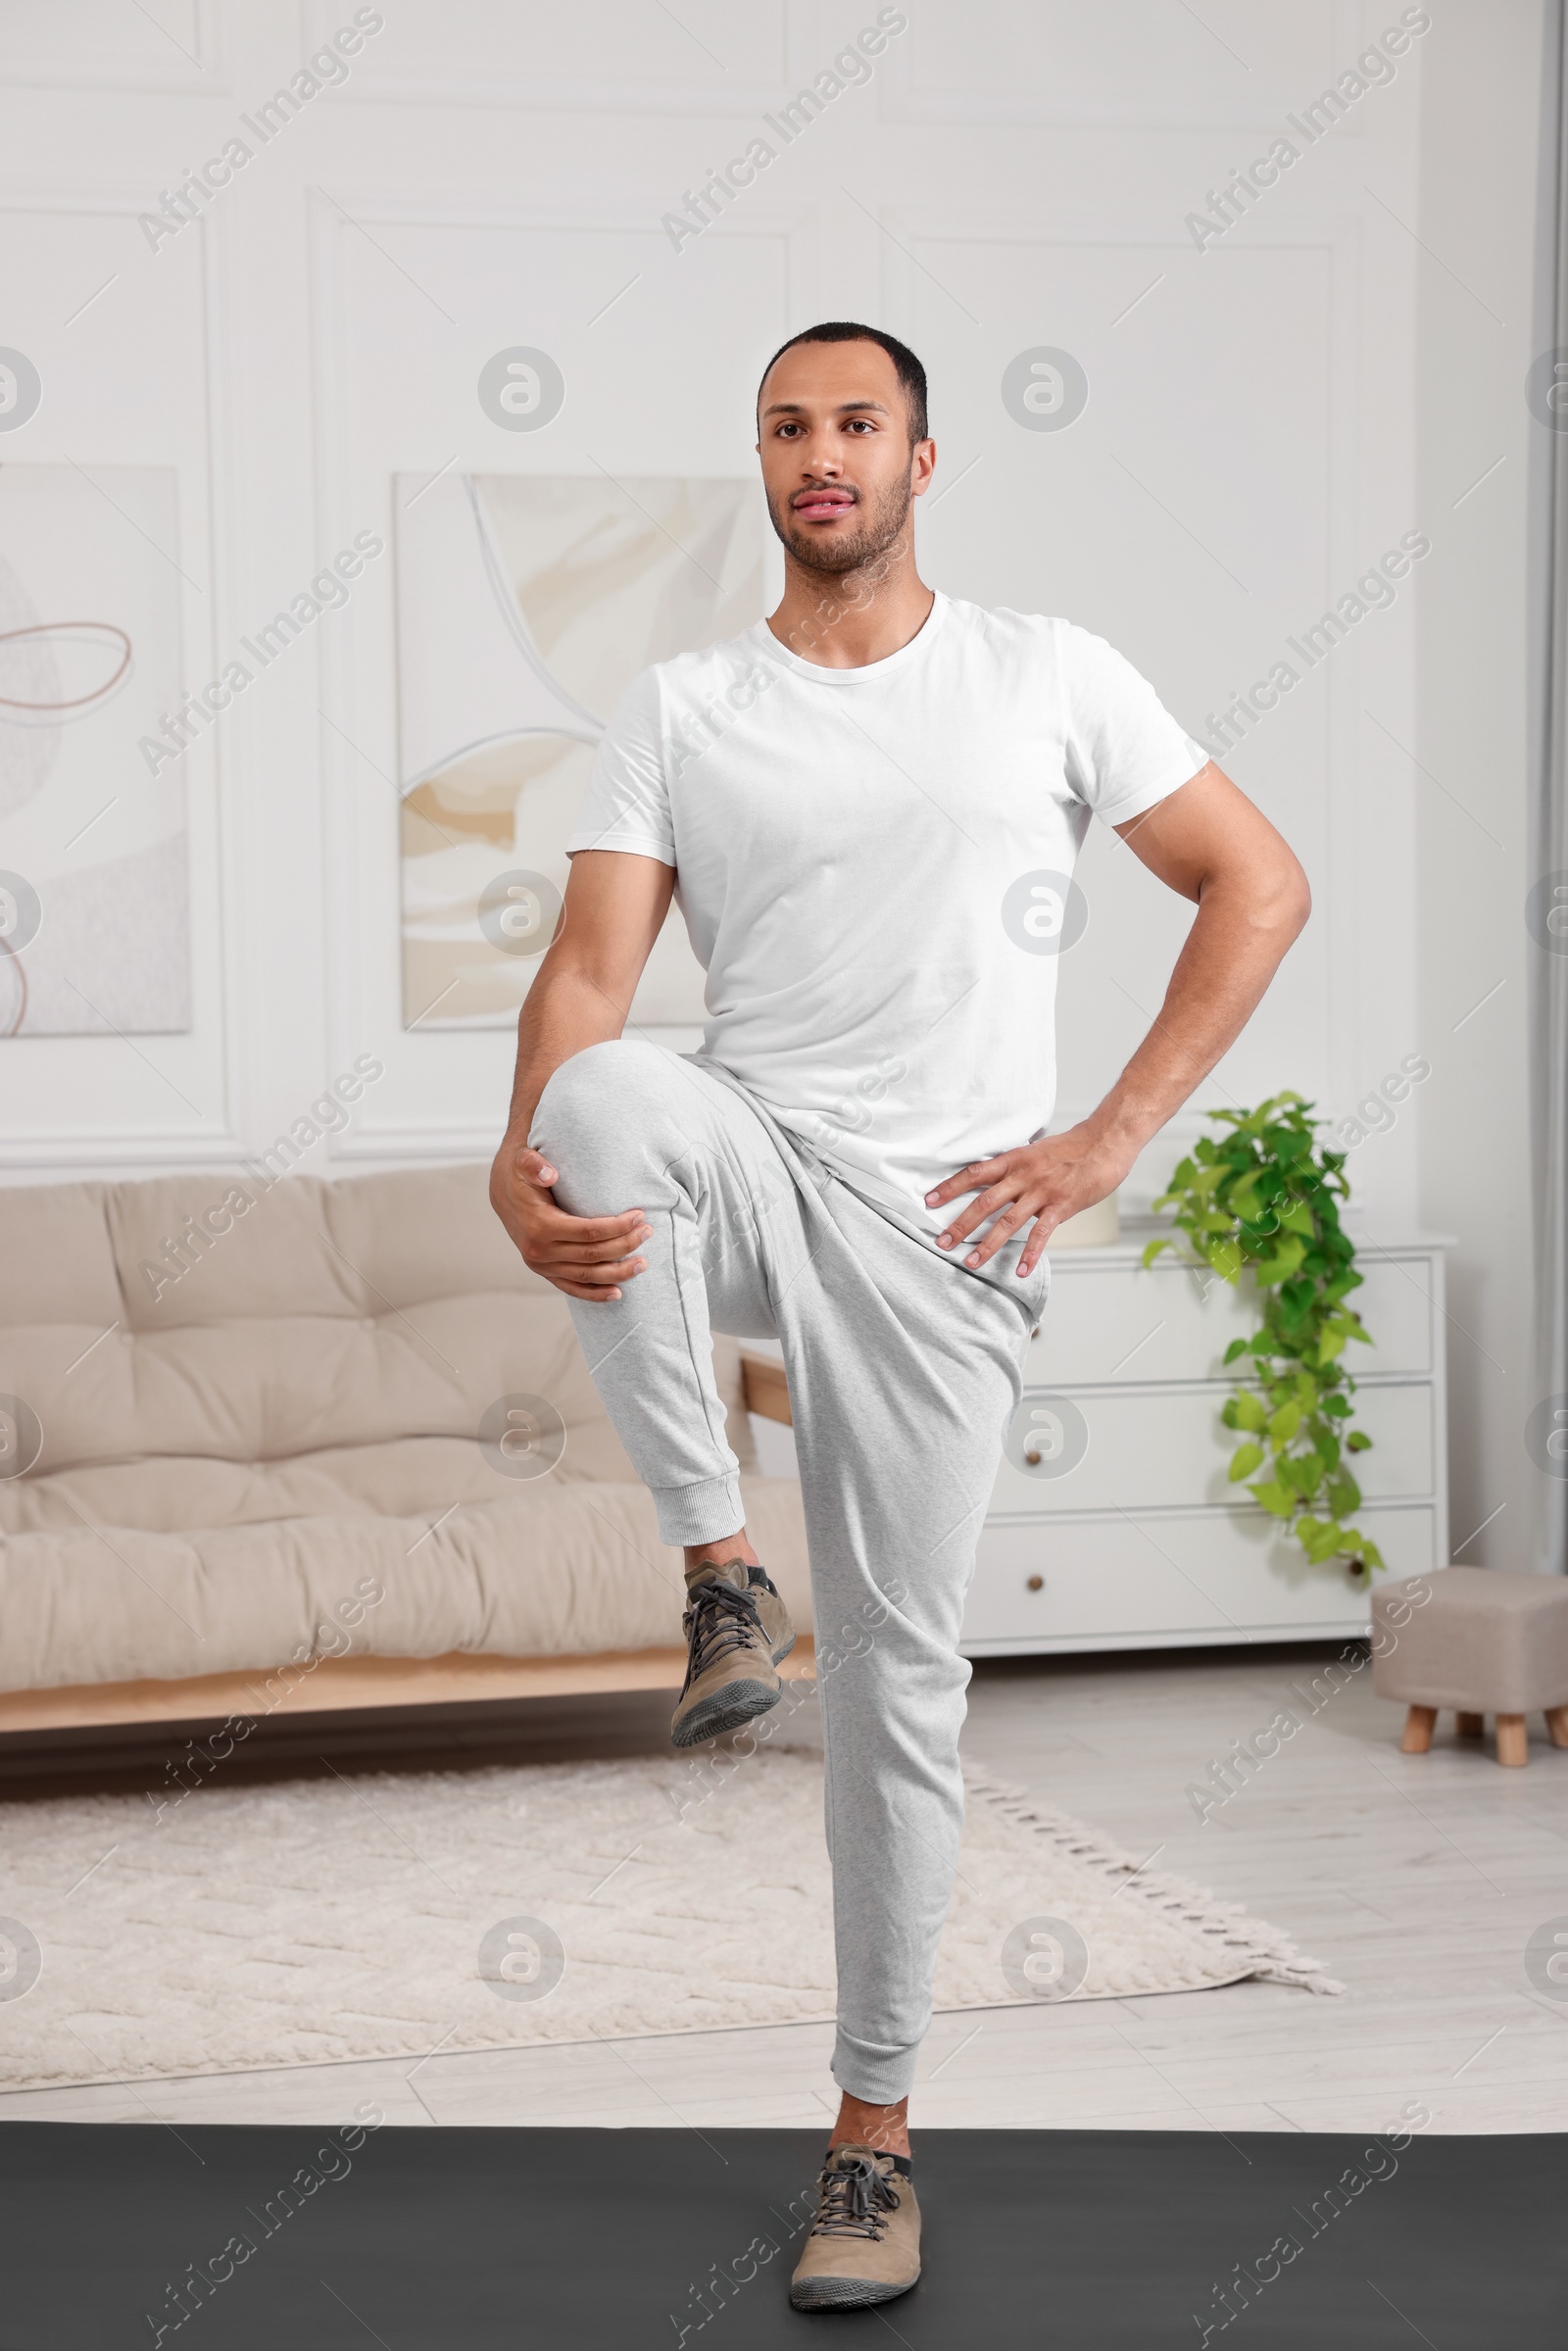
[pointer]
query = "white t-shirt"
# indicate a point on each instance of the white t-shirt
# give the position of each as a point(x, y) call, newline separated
point(874, 868)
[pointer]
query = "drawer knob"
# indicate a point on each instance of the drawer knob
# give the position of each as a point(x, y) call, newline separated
point(1036, 1584)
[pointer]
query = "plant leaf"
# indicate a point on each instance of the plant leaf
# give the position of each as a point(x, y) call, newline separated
point(1325, 1546)
point(1261, 1197)
point(1273, 1497)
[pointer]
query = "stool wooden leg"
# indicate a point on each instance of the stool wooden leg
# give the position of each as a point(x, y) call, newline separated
point(1470, 1726)
point(1418, 1730)
point(1557, 1725)
point(1513, 1746)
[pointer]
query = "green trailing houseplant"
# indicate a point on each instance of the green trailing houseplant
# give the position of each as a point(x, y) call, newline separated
point(1262, 1197)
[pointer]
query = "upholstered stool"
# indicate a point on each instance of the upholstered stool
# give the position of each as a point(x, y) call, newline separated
point(1481, 1639)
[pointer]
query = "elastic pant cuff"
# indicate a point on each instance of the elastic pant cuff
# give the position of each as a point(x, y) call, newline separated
point(701, 1513)
point(873, 2071)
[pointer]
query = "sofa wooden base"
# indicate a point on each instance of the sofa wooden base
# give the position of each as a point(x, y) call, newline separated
point(334, 1684)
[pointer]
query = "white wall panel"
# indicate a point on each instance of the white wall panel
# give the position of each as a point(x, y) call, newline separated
point(104, 45)
point(123, 340)
point(1124, 62)
point(706, 56)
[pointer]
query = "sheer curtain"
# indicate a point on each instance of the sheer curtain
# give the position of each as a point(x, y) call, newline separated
point(1546, 913)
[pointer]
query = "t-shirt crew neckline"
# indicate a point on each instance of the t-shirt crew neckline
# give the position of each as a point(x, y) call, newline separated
point(820, 674)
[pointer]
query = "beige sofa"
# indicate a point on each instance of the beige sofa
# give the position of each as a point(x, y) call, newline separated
point(236, 1438)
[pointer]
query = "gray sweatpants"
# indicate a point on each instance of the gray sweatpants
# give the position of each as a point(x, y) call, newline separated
point(903, 1371)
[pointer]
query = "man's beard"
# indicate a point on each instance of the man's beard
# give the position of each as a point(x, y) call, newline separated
point(876, 527)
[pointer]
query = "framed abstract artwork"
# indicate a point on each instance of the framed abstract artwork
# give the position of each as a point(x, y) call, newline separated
point(94, 864)
point(525, 607)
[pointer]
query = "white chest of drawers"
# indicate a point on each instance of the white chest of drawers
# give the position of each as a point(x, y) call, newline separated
point(1123, 1531)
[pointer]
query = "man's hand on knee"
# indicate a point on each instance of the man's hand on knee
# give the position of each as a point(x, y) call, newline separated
point(585, 1257)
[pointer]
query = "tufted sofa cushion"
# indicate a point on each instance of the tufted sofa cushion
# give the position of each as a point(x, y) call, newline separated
point(244, 1394)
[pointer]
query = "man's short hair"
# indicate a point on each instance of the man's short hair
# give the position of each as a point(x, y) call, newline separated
point(910, 374)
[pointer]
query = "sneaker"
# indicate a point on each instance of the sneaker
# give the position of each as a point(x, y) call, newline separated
point(738, 1631)
point(864, 2244)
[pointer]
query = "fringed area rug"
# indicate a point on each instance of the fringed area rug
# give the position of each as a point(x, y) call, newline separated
point(387, 1914)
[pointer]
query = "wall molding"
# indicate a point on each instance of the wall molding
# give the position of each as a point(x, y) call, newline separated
point(170, 1149)
point(154, 75)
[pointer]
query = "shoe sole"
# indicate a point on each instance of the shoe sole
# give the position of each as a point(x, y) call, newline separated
point(845, 2293)
point(725, 1710)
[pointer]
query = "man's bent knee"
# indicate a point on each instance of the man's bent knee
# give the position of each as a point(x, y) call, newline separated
point(598, 1114)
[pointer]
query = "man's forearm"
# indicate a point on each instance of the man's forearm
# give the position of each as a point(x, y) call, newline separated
point(565, 1013)
point(1232, 952)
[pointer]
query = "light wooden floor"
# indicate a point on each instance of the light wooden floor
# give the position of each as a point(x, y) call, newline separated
point(1416, 1879)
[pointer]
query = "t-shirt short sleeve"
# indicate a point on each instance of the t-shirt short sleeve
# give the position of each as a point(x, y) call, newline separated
point(1125, 751)
point(626, 804)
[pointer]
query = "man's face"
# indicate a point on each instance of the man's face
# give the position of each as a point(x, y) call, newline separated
point(837, 465)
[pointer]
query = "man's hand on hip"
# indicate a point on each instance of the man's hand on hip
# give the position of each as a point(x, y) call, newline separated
point(1048, 1181)
point(585, 1257)
point(1206, 842)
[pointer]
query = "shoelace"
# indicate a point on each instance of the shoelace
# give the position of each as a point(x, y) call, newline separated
point(717, 1619)
point(856, 2200)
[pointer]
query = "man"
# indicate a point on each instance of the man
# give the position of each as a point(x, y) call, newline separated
point(867, 807)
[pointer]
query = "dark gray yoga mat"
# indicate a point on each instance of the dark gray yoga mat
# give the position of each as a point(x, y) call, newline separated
point(569, 2240)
